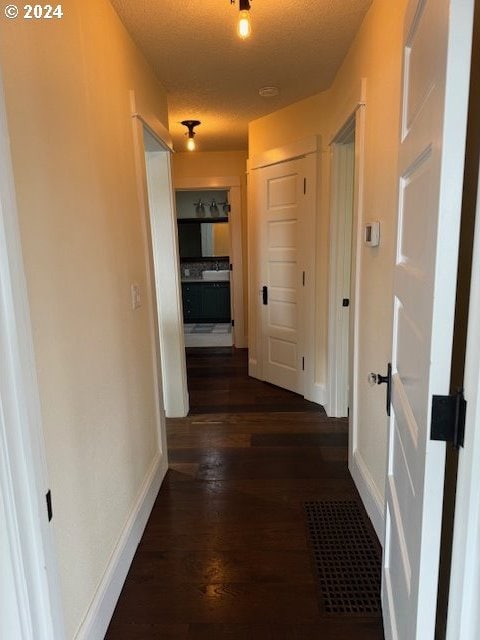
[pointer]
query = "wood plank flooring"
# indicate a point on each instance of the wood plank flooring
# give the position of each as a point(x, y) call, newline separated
point(225, 554)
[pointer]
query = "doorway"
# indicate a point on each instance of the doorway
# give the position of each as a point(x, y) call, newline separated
point(341, 300)
point(282, 231)
point(205, 250)
point(221, 307)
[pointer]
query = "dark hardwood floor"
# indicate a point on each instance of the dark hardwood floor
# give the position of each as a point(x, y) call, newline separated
point(225, 553)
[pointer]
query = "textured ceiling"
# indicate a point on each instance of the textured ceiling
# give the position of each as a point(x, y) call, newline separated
point(213, 76)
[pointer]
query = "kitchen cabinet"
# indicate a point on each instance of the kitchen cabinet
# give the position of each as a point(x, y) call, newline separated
point(206, 302)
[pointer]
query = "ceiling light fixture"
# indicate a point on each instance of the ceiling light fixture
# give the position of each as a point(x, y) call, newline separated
point(244, 28)
point(269, 92)
point(190, 124)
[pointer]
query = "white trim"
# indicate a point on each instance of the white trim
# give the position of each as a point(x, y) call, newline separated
point(155, 195)
point(360, 117)
point(236, 276)
point(253, 368)
point(255, 362)
point(310, 388)
point(317, 393)
point(354, 100)
point(152, 123)
point(284, 153)
point(341, 235)
point(369, 493)
point(166, 265)
point(463, 612)
point(353, 110)
point(23, 471)
point(100, 612)
point(214, 182)
point(232, 184)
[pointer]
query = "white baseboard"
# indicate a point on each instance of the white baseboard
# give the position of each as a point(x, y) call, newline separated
point(317, 393)
point(369, 493)
point(253, 367)
point(99, 614)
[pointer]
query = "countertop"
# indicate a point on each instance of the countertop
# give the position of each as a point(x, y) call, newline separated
point(187, 280)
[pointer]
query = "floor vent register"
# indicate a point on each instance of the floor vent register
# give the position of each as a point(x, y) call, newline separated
point(347, 558)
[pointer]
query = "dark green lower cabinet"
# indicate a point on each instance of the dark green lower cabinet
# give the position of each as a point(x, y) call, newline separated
point(206, 301)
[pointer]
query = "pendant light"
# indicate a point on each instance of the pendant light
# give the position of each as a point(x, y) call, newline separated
point(244, 28)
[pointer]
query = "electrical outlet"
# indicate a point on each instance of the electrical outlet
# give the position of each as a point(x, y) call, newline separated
point(136, 297)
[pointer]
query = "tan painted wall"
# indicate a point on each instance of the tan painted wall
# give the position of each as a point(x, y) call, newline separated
point(376, 56)
point(217, 164)
point(67, 88)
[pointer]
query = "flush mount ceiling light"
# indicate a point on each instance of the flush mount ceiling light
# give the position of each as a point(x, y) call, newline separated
point(244, 28)
point(269, 92)
point(190, 124)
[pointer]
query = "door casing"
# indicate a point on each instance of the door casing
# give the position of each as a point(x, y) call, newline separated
point(232, 185)
point(23, 470)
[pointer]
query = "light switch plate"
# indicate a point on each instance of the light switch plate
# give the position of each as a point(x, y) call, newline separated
point(372, 233)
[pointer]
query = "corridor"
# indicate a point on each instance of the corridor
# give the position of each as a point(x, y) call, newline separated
point(226, 552)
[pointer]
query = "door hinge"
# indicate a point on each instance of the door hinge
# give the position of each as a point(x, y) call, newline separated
point(303, 363)
point(448, 418)
point(48, 498)
point(265, 294)
point(303, 278)
point(304, 186)
point(233, 323)
point(231, 267)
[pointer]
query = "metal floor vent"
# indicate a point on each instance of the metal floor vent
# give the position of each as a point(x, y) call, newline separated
point(347, 558)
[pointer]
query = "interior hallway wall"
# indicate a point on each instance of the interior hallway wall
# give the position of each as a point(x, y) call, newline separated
point(217, 164)
point(375, 55)
point(67, 86)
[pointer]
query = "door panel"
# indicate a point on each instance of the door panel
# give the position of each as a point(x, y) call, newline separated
point(281, 271)
point(429, 203)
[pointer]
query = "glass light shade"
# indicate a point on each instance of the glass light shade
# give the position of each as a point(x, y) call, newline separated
point(244, 28)
point(191, 144)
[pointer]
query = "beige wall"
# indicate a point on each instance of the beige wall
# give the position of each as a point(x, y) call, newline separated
point(218, 164)
point(376, 56)
point(67, 88)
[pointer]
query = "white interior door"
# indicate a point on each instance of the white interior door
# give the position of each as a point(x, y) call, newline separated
point(282, 268)
point(436, 53)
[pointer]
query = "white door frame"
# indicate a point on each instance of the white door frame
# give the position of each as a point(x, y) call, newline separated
point(232, 185)
point(341, 258)
point(355, 106)
point(23, 470)
point(156, 199)
point(309, 148)
point(463, 619)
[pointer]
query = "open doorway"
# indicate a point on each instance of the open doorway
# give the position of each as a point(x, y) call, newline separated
point(209, 221)
point(204, 240)
point(341, 311)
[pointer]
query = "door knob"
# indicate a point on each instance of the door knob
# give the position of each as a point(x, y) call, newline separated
point(377, 378)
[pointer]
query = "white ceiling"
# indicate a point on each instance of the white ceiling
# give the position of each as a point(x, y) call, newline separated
point(213, 76)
